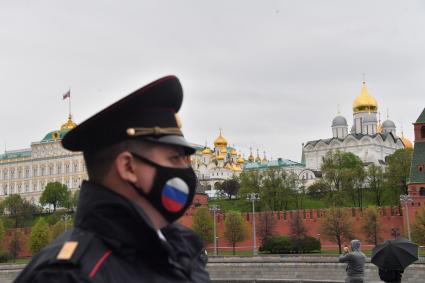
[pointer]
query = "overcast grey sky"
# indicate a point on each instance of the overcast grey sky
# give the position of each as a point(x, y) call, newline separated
point(269, 73)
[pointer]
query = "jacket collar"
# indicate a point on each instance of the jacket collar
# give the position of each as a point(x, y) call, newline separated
point(116, 220)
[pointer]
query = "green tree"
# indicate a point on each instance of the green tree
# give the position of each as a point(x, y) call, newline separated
point(230, 187)
point(418, 229)
point(55, 194)
point(371, 226)
point(250, 182)
point(398, 170)
point(18, 209)
point(235, 229)
point(39, 237)
point(277, 189)
point(337, 226)
point(375, 180)
point(317, 190)
point(57, 229)
point(343, 174)
point(2, 233)
point(203, 224)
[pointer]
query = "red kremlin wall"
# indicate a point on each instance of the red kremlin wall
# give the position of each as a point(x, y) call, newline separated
point(391, 219)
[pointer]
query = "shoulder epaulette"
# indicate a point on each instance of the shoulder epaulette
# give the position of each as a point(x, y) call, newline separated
point(75, 246)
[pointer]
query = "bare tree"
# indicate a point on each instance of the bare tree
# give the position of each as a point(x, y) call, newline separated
point(266, 224)
point(235, 228)
point(372, 227)
point(337, 226)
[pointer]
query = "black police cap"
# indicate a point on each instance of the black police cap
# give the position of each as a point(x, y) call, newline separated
point(148, 113)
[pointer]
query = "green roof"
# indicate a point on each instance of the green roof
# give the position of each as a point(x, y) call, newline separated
point(418, 159)
point(421, 118)
point(55, 135)
point(15, 154)
point(273, 164)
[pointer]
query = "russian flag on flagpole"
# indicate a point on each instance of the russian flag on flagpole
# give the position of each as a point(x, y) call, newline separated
point(67, 95)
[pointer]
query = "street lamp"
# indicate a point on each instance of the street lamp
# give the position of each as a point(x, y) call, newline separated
point(214, 208)
point(253, 197)
point(65, 218)
point(406, 199)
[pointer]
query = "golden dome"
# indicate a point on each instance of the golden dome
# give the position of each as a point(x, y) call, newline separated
point(364, 102)
point(223, 150)
point(220, 141)
point(407, 143)
point(206, 150)
point(69, 125)
point(240, 160)
point(228, 166)
point(233, 152)
point(220, 157)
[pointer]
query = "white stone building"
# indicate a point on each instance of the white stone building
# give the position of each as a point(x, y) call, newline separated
point(27, 171)
point(370, 140)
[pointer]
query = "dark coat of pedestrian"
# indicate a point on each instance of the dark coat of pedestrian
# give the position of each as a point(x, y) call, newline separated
point(140, 183)
point(355, 263)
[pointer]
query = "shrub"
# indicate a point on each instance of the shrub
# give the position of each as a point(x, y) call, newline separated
point(4, 256)
point(284, 244)
point(276, 245)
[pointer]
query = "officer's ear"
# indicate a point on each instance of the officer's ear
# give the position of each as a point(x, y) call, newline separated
point(125, 166)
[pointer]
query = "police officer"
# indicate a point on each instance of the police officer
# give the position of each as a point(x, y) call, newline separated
point(139, 184)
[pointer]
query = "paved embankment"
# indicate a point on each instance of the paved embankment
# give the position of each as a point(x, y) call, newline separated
point(295, 269)
point(273, 269)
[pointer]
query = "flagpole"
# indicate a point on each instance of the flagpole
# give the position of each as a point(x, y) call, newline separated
point(69, 102)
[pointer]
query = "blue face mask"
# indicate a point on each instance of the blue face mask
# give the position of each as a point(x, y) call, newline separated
point(172, 191)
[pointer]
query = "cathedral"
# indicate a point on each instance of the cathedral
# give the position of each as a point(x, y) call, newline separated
point(223, 162)
point(368, 138)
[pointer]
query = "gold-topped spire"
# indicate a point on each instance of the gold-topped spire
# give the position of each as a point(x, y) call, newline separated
point(251, 157)
point(407, 143)
point(258, 158)
point(365, 102)
point(69, 125)
point(220, 141)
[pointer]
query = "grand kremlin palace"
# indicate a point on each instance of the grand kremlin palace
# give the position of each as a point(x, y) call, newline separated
point(27, 171)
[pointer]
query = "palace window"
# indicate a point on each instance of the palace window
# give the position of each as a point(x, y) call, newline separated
point(67, 168)
point(420, 168)
point(42, 171)
point(423, 132)
point(27, 172)
point(19, 173)
point(12, 174)
point(422, 191)
point(50, 170)
point(59, 169)
point(4, 174)
point(75, 167)
point(34, 172)
point(27, 188)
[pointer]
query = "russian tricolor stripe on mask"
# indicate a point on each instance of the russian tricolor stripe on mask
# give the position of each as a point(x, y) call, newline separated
point(175, 194)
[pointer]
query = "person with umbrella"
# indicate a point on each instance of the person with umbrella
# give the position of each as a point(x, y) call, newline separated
point(355, 262)
point(392, 257)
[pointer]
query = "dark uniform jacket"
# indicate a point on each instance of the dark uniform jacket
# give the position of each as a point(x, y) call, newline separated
point(114, 241)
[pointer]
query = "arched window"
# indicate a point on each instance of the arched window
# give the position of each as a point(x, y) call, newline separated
point(422, 191)
point(423, 132)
